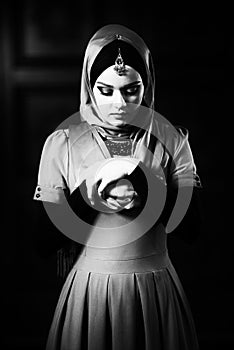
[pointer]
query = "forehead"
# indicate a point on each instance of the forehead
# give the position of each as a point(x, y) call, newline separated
point(110, 77)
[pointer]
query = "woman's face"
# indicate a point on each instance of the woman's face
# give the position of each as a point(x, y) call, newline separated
point(118, 96)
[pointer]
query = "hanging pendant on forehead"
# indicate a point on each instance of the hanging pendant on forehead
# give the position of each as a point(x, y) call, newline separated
point(118, 36)
point(119, 64)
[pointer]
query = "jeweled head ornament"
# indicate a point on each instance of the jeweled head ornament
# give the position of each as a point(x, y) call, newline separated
point(120, 67)
point(107, 58)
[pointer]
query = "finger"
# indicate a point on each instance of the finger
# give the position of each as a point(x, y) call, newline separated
point(130, 205)
point(103, 184)
point(90, 190)
point(110, 204)
point(113, 204)
point(107, 181)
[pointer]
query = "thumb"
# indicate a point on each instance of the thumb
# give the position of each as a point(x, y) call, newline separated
point(91, 187)
point(103, 184)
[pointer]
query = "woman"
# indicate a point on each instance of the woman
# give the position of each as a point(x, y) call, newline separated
point(116, 169)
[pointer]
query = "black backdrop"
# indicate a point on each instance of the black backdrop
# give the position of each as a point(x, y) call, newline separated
point(42, 48)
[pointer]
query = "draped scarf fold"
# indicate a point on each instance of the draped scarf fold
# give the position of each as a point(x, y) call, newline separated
point(88, 107)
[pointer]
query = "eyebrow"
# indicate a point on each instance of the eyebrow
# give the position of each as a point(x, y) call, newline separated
point(125, 86)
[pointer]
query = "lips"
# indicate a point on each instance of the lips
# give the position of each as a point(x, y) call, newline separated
point(118, 115)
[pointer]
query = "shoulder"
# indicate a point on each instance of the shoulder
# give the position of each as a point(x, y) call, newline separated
point(61, 136)
point(57, 136)
point(181, 137)
point(59, 142)
point(80, 134)
point(79, 129)
point(183, 133)
point(174, 132)
point(172, 136)
point(56, 143)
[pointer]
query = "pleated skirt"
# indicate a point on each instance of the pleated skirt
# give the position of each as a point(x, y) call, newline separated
point(123, 305)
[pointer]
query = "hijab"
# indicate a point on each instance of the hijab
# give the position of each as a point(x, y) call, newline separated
point(88, 108)
point(108, 55)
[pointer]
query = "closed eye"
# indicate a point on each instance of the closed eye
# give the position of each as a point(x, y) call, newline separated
point(131, 90)
point(105, 91)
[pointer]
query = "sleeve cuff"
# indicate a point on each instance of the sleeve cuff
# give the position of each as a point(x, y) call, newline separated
point(186, 181)
point(46, 194)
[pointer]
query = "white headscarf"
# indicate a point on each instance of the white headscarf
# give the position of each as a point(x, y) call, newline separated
point(88, 107)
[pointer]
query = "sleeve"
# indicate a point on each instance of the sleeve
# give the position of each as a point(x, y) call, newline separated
point(183, 170)
point(53, 169)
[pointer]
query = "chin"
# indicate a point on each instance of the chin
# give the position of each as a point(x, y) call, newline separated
point(118, 122)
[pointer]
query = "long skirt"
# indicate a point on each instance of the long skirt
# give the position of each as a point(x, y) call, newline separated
point(131, 304)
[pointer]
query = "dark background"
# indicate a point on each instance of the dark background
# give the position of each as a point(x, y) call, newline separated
point(41, 56)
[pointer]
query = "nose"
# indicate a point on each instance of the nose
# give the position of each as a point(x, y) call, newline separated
point(118, 99)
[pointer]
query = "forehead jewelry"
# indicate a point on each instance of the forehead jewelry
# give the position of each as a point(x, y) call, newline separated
point(119, 64)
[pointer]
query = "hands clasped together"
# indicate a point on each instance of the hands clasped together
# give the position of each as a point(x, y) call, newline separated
point(108, 183)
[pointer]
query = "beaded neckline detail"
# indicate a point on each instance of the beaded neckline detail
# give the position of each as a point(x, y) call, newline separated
point(119, 147)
